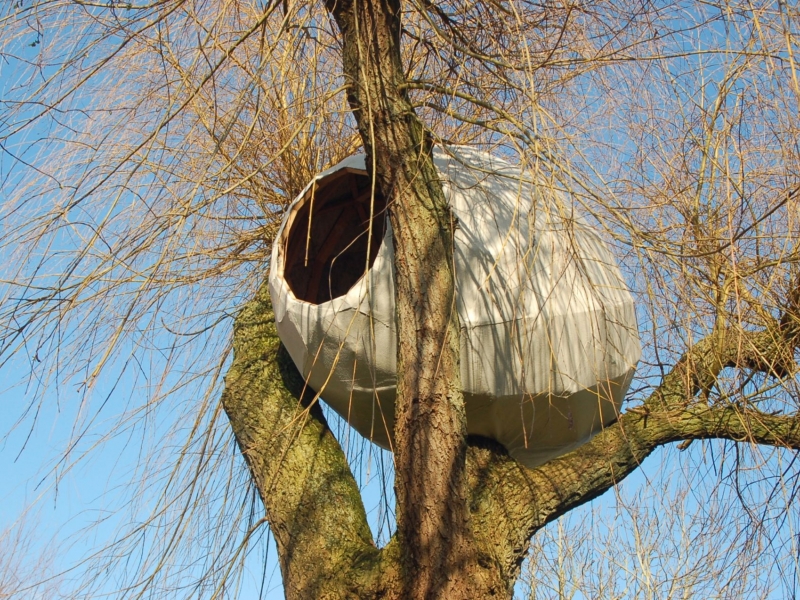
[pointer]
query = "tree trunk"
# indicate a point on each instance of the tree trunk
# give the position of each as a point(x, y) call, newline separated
point(440, 557)
point(311, 499)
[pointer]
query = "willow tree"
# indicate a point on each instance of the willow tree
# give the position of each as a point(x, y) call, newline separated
point(150, 149)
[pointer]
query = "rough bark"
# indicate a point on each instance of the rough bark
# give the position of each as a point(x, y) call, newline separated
point(312, 501)
point(440, 557)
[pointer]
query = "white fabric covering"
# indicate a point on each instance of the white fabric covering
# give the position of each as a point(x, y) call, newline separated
point(549, 341)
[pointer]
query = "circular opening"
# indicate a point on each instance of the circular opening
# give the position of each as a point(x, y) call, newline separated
point(326, 249)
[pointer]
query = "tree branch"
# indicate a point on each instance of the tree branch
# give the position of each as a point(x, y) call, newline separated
point(312, 501)
point(510, 503)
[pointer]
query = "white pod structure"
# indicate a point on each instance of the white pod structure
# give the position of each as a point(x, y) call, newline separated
point(549, 342)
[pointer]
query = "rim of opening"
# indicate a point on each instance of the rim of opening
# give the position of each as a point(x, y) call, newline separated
point(326, 243)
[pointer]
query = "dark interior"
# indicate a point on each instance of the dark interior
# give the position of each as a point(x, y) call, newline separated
point(327, 259)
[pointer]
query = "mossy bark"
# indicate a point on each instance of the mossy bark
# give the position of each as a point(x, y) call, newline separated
point(313, 504)
point(311, 499)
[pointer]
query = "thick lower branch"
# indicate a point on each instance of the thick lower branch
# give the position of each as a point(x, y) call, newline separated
point(312, 501)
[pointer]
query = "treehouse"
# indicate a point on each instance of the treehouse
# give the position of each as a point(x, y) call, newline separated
point(549, 341)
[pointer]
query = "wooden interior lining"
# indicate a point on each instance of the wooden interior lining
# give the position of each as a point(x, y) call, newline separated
point(337, 245)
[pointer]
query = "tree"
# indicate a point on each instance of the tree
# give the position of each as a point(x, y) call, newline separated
point(673, 127)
